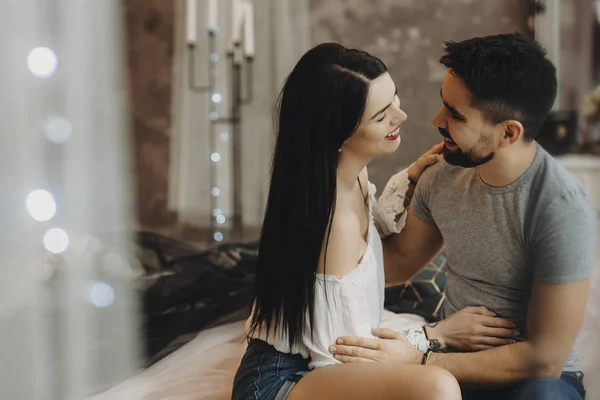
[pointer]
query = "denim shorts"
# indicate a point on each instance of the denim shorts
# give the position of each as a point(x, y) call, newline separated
point(266, 373)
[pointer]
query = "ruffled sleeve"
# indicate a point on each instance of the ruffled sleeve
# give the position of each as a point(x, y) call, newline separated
point(389, 212)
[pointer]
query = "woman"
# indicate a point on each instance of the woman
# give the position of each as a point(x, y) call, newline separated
point(320, 269)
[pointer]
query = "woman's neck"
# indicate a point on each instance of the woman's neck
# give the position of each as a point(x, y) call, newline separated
point(349, 168)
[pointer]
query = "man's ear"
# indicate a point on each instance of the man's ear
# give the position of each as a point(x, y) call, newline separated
point(513, 131)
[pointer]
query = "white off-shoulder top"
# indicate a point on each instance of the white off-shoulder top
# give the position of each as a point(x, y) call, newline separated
point(354, 303)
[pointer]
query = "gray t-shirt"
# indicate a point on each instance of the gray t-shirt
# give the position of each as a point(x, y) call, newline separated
point(501, 240)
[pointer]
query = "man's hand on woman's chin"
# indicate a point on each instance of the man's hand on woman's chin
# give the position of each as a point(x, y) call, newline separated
point(390, 347)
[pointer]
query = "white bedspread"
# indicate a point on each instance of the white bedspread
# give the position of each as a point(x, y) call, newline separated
point(204, 368)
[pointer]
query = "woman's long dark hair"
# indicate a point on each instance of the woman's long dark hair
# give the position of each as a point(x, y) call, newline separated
point(319, 107)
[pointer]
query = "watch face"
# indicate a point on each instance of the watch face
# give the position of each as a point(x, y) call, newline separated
point(434, 344)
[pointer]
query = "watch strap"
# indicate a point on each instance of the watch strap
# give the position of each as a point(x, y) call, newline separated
point(426, 357)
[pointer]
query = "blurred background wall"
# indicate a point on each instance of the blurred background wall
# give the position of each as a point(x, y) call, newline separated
point(408, 36)
point(150, 45)
point(173, 180)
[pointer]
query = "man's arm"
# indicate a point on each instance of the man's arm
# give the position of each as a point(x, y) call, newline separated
point(407, 252)
point(563, 247)
point(555, 316)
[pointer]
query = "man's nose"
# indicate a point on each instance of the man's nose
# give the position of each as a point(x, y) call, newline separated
point(439, 121)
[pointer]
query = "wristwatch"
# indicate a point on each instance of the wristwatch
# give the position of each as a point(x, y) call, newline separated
point(418, 338)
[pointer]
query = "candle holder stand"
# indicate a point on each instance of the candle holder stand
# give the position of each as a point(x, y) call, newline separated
point(241, 89)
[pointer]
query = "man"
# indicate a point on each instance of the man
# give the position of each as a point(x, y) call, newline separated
point(519, 232)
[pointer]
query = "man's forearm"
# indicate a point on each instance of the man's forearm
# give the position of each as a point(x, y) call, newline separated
point(499, 367)
point(398, 268)
point(407, 252)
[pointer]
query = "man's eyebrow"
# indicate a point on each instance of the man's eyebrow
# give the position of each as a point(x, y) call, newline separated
point(386, 107)
point(453, 110)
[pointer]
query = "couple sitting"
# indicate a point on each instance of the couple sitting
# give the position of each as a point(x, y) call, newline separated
point(519, 234)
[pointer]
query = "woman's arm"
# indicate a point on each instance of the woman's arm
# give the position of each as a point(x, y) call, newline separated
point(340, 302)
point(390, 210)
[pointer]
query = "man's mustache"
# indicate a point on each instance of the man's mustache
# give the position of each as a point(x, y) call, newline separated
point(445, 133)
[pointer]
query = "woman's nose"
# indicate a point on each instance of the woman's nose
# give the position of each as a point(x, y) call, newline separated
point(399, 118)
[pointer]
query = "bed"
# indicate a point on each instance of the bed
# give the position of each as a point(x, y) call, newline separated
point(204, 368)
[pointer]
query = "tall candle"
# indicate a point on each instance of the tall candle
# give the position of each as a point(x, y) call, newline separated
point(212, 23)
point(249, 29)
point(237, 19)
point(192, 24)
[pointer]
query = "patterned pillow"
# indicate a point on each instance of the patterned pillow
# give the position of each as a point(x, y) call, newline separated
point(423, 294)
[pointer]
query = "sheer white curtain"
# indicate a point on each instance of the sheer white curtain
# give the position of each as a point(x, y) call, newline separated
point(285, 37)
point(282, 36)
point(67, 315)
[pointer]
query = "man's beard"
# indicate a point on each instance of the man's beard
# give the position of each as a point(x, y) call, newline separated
point(461, 159)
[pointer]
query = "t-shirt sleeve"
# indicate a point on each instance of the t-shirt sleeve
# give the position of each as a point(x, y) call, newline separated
point(565, 240)
point(420, 203)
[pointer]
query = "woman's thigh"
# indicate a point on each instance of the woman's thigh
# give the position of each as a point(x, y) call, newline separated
point(377, 381)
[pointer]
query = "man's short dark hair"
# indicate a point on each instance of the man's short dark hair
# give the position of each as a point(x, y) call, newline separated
point(509, 77)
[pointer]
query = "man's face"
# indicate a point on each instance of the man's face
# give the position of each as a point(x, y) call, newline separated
point(469, 140)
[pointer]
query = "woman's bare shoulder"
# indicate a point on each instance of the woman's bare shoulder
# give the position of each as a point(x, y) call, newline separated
point(344, 244)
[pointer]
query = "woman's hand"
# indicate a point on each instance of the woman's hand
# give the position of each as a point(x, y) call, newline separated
point(416, 169)
point(428, 158)
point(473, 329)
point(390, 347)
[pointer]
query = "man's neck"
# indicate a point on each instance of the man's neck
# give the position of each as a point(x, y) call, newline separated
point(508, 166)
